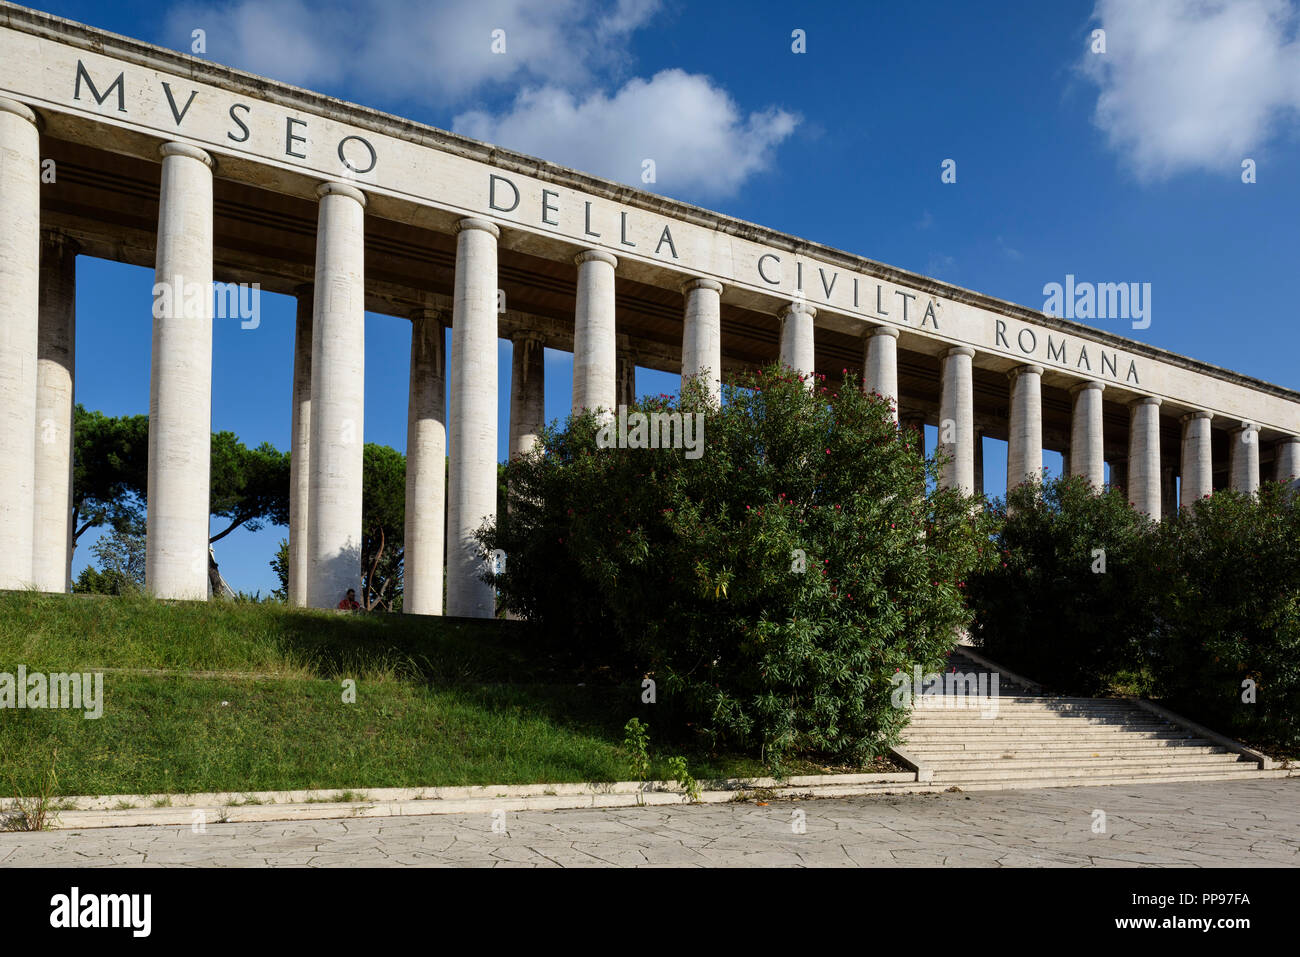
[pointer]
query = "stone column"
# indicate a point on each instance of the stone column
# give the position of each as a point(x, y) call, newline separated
point(1197, 468)
point(915, 422)
point(797, 338)
point(472, 491)
point(1243, 457)
point(1287, 459)
point(52, 528)
point(300, 449)
point(595, 351)
point(527, 392)
point(957, 420)
point(702, 333)
point(1087, 456)
point(1119, 474)
point(426, 467)
point(180, 387)
point(880, 364)
point(1025, 442)
point(626, 379)
point(1144, 455)
point(338, 393)
point(1168, 488)
point(979, 462)
point(20, 264)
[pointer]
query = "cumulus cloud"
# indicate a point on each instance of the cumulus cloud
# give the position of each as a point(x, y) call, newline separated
point(1195, 84)
point(697, 137)
point(411, 48)
point(565, 77)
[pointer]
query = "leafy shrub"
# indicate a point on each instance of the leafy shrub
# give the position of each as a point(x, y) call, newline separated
point(1064, 604)
point(771, 586)
point(1227, 573)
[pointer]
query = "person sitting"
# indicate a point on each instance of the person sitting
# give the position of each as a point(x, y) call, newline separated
point(350, 602)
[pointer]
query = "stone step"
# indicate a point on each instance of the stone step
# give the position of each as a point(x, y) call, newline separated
point(958, 776)
point(1069, 745)
point(1010, 704)
point(1037, 704)
point(993, 742)
point(1004, 700)
point(1008, 732)
point(936, 755)
point(1107, 761)
point(974, 719)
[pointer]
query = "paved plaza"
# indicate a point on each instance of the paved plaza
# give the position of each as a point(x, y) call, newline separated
point(1235, 824)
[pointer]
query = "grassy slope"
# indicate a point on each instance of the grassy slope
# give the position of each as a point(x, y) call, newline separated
point(438, 702)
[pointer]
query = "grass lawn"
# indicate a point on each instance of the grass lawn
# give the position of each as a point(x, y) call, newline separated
point(226, 696)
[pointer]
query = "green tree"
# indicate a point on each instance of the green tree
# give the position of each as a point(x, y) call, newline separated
point(1064, 602)
point(383, 526)
point(772, 585)
point(110, 470)
point(1225, 646)
point(280, 565)
point(120, 556)
point(248, 487)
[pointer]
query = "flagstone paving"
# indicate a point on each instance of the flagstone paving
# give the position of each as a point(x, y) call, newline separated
point(1248, 823)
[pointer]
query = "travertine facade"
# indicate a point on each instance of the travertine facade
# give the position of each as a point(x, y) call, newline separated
point(207, 173)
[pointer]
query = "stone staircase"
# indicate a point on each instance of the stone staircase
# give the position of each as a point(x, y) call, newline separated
point(1040, 740)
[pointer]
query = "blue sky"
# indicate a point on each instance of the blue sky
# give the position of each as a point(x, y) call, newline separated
point(1115, 166)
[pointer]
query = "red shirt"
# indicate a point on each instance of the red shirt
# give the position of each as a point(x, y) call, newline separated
point(347, 604)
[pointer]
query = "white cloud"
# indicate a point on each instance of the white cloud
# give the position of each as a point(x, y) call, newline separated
point(411, 48)
point(700, 141)
point(1195, 84)
point(562, 59)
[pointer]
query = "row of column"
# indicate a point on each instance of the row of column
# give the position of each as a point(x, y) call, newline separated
point(1086, 456)
point(445, 505)
point(325, 534)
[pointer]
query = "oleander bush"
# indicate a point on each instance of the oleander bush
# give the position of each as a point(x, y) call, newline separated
point(1226, 572)
point(770, 585)
point(1064, 601)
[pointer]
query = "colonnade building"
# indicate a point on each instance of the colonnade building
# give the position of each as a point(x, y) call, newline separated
point(209, 174)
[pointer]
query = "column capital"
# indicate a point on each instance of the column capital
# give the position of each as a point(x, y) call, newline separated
point(528, 335)
point(58, 240)
point(429, 313)
point(1087, 384)
point(1289, 440)
point(340, 189)
point(794, 307)
point(184, 149)
point(304, 289)
point(595, 256)
point(1244, 427)
point(699, 282)
point(1018, 371)
point(873, 331)
point(20, 109)
point(1198, 414)
point(959, 351)
point(473, 222)
point(1145, 400)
